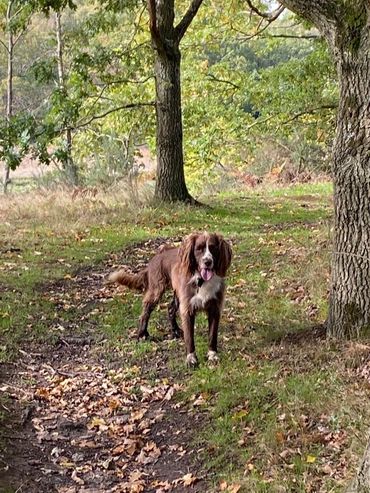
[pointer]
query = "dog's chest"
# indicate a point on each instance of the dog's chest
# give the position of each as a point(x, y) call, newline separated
point(206, 292)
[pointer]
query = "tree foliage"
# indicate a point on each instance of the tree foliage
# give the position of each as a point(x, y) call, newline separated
point(243, 93)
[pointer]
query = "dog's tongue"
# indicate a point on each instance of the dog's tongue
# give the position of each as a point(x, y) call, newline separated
point(206, 274)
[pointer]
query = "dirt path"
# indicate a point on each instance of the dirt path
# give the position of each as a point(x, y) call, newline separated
point(81, 419)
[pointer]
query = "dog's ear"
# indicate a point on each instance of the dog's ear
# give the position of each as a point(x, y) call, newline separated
point(186, 253)
point(224, 258)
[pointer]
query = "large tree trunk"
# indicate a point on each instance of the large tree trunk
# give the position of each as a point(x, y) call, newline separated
point(346, 27)
point(170, 183)
point(349, 310)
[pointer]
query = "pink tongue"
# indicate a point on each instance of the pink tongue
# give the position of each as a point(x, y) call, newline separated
point(206, 274)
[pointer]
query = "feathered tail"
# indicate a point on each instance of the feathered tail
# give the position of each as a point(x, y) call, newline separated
point(134, 281)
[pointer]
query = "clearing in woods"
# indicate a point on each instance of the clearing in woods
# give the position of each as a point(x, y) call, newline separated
point(85, 408)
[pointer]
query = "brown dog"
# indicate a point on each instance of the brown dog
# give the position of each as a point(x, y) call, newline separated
point(195, 272)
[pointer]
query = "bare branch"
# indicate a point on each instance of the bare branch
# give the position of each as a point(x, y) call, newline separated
point(185, 22)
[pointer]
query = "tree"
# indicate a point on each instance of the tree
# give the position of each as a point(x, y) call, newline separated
point(346, 27)
point(170, 182)
point(17, 16)
point(68, 163)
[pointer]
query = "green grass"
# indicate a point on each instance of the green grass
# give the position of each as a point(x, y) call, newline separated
point(270, 403)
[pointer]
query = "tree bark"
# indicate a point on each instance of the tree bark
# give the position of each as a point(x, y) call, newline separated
point(349, 310)
point(346, 26)
point(170, 180)
point(170, 183)
point(69, 164)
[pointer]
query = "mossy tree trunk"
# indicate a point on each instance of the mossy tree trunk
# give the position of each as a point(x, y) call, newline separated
point(170, 179)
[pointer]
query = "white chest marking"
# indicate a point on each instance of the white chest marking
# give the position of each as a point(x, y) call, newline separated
point(206, 292)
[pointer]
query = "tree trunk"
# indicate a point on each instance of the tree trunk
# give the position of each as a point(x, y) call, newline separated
point(170, 183)
point(69, 165)
point(170, 180)
point(361, 483)
point(349, 310)
point(9, 92)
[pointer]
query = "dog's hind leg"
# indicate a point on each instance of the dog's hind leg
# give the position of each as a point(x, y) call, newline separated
point(150, 301)
point(172, 311)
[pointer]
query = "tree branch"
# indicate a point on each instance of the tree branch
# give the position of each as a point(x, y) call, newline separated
point(156, 36)
point(324, 14)
point(294, 36)
point(211, 76)
point(4, 46)
point(108, 112)
point(185, 22)
point(310, 111)
point(270, 16)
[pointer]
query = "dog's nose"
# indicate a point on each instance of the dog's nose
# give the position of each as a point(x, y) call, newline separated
point(208, 262)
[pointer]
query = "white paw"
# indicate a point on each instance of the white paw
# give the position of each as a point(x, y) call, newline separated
point(212, 357)
point(191, 360)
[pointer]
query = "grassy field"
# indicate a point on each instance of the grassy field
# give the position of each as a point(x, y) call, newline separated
point(286, 410)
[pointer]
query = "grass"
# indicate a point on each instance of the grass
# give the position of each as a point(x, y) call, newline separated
point(283, 407)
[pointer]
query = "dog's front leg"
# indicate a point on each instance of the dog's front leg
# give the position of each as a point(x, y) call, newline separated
point(188, 321)
point(214, 315)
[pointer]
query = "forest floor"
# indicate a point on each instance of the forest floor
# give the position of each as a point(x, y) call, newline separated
point(86, 408)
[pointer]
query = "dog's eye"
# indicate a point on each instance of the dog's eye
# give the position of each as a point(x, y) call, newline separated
point(199, 247)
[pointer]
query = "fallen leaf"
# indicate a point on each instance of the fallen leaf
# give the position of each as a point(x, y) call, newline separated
point(76, 479)
point(189, 479)
point(234, 488)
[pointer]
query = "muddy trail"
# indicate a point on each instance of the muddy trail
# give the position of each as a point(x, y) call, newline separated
point(80, 417)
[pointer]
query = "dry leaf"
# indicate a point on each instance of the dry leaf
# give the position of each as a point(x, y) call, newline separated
point(76, 479)
point(234, 488)
point(189, 479)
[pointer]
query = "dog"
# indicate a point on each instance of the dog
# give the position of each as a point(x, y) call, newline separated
point(195, 272)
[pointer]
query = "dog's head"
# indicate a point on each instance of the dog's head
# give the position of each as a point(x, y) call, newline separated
point(205, 253)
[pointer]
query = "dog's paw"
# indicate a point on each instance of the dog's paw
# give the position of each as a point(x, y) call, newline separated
point(143, 335)
point(191, 360)
point(212, 357)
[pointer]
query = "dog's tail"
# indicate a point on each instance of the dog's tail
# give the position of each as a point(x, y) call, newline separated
point(134, 281)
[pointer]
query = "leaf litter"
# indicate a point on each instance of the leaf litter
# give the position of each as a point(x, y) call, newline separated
point(95, 425)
